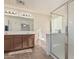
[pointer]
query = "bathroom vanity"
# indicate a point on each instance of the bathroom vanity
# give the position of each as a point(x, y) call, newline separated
point(18, 30)
point(18, 42)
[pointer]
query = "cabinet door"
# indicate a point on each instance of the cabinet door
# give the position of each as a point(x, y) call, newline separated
point(17, 42)
point(8, 43)
point(25, 41)
point(31, 41)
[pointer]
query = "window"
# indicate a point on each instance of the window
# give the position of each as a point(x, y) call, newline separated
point(56, 24)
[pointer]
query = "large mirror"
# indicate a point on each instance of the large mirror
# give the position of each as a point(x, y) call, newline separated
point(18, 23)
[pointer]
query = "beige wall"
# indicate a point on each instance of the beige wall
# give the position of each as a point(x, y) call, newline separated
point(42, 27)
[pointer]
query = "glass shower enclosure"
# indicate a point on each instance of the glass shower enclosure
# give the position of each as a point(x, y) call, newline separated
point(62, 31)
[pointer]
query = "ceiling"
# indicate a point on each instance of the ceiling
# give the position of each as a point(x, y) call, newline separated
point(40, 6)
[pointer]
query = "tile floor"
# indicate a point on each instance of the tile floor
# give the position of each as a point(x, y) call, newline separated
point(37, 53)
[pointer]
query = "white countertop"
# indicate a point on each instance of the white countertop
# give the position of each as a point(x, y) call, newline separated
point(18, 32)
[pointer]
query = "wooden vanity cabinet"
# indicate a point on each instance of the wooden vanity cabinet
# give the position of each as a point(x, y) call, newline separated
point(18, 42)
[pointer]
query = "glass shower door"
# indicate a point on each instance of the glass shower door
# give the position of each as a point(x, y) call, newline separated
point(58, 26)
point(62, 31)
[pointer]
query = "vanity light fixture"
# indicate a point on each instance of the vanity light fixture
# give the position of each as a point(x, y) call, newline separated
point(15, 12)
